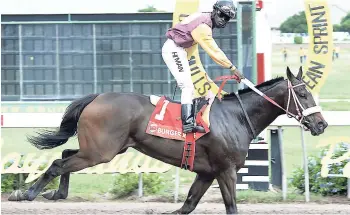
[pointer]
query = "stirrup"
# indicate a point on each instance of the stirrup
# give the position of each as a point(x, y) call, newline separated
point(199, 129)
point(190, 128)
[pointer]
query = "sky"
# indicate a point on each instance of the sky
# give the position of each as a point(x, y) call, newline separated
point(278, 10)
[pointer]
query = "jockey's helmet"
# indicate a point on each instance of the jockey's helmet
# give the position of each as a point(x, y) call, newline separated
point(224, 10)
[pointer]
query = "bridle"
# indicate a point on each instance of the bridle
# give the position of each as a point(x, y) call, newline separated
point(301, 111)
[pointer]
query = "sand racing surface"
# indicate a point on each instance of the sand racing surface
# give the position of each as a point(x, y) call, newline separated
point(62, 207)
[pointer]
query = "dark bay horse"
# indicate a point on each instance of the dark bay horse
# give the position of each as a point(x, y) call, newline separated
point(109, 123)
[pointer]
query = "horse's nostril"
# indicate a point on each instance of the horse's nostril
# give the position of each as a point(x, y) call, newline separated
point(321, 125)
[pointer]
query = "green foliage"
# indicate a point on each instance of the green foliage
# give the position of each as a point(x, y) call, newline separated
point(298, 24)
point(125, 184)
point(344, 25)
point(150, 8)
point(337, 28)
point(328, 185)
point(11, 182)
point(295, 24)
point(298, 40)
point(153, 183)
point(8, 182)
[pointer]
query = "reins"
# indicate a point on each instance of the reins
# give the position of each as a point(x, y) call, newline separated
point(300, 116)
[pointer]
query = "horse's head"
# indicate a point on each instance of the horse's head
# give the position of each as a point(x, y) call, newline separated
point(301, 104)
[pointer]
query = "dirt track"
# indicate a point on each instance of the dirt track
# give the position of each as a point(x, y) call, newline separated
point(154, 208)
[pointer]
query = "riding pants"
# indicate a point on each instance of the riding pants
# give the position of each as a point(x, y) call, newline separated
point(175, 58)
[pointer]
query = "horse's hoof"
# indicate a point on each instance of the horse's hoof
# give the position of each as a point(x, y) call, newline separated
point(172, 212)
point(17, 195)
point(150, 211)
point(51, 195)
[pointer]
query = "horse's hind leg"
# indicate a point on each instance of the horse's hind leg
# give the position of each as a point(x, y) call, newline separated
point(89, 155)
point(197, 190)
point(62, 191)
point(59, 167)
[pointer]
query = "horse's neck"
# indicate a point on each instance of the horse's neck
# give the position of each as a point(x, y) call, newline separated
point(260, 111)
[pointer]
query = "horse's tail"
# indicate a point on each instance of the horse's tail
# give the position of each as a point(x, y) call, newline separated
point(68, 128)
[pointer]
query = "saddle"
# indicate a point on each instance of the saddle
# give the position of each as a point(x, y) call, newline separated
point(165, 122)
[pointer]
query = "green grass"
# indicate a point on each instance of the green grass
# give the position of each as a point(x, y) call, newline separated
point(335, 106)
point(89, 186)
point(337, 84)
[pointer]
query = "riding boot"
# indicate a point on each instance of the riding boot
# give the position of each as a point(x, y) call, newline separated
point(188, 120)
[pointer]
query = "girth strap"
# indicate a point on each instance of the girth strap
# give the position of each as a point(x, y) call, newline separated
point(189, 152)
point(246, 116)
point(234, 77)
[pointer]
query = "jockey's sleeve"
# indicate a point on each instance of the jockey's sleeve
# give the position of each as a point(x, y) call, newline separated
point(204, 37)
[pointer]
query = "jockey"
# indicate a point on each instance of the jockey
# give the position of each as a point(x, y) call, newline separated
point(196, 28)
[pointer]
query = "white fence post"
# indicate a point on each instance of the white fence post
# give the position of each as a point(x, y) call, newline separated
point(306, 168)
point(177, 183)
point(140, 185)
point(348, 188)
point(283, 165)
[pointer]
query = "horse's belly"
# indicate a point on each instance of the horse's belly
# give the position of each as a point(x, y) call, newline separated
point(171, 151)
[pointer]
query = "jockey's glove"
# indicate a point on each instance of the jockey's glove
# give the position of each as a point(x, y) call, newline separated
point(237, 73)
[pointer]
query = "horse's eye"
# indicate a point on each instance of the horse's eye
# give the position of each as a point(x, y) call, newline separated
point(303, 95)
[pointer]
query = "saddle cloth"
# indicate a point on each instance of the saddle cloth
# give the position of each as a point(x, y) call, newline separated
point(165, 120)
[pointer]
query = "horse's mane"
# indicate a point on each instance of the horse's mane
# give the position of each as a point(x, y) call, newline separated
point(268, 83)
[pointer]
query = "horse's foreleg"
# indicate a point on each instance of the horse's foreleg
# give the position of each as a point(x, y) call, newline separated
point(62, 191)
point(197, 190)
point(227, 181)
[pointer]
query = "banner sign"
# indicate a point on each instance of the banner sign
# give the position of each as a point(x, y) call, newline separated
point(37, 163)
point(327, 160)
point(320, 28)
point(203, 85)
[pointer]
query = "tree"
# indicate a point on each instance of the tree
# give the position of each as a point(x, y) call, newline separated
point(295, 24)
point(150, 8)
point(337, 28)
point(344, 25)
point(346, 18)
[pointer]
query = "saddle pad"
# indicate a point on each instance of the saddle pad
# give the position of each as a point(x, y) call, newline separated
point(205, 116)
point(165, 120)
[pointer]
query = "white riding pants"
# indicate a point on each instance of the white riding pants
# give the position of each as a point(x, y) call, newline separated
point(175, 58)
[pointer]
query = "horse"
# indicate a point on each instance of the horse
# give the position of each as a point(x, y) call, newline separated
point(108, 124)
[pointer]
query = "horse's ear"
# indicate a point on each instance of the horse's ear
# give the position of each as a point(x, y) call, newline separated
point(290, 74)
point(300, 74)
